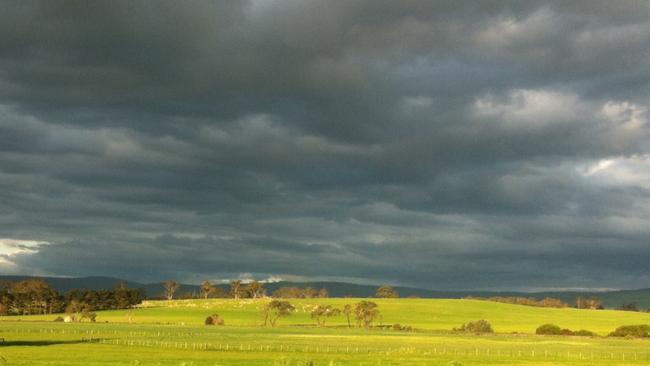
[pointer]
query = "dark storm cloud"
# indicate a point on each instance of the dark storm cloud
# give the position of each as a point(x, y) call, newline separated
point(441, 144)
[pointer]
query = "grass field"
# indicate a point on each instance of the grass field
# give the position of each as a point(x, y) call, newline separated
point(172, 333)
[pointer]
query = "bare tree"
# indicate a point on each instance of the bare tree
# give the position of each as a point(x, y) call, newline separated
point(207, 289)
point(255, 289)
point(170, 288)
point(235, 288)
point(347, 310)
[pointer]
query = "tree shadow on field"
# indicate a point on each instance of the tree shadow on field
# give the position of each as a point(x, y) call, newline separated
point(40, 343)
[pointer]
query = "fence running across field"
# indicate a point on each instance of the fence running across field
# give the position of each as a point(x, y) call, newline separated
point(143, 339)
point(435, 351)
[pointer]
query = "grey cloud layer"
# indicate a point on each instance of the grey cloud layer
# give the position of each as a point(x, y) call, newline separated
point(376, 141)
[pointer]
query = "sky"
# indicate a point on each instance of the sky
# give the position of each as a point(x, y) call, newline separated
point(438, 144)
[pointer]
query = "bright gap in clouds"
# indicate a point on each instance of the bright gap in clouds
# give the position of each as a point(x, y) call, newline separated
point(10, 247)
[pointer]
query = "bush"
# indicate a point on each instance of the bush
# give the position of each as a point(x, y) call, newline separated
point(584, 333)
point(479, 326)
point(58, 319)
point(552, 329)
point(634, 331)
point(214, 319)
point(549, 329)
point(403, 328)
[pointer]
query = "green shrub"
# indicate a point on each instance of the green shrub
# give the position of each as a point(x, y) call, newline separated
point(58, 319)
point(635, 331)
point(479, 326)
point(549, 329)
point(403, 328)
point(552, 329)
point(214, 319)
point(584, 333)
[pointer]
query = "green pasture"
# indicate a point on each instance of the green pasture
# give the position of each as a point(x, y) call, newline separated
point(172, 333)
point(425, 314)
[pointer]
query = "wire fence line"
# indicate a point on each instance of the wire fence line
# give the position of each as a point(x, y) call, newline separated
point(132, 338)
point(377, 351)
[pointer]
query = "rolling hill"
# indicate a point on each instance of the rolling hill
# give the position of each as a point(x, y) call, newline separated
point(611, 299)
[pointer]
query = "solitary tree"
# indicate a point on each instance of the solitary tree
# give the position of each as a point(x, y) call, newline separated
point(348, 310)
point(365, 313)
point(170, 289)
point(235, 288)
point(322, 312)
point(255, 289)
point(275, 310)
point(207, 289)
point(387, 292)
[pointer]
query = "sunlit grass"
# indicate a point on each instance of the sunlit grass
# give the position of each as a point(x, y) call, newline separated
point(172, 333)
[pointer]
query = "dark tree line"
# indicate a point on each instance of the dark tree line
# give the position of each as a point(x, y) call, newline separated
point(238, 290)
point(121, 297)
point(33, 296)
point(36, 296)
point(300, 293)
point(548, 302)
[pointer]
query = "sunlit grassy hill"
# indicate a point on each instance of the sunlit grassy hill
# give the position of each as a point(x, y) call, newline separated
point(425, 314)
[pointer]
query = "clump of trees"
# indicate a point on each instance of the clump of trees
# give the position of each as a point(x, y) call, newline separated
point(478, 327)
point(121, 297)
point(592, 303)
point(32, 296)
point(250, 290)
point(632, 331)
point(548, 302)
point(387, 292)
point(36, 296)
point(300, 293)
point(275, 310)
point(366, 312)
point(552, 329)
point(323, 312)
point(214, 319)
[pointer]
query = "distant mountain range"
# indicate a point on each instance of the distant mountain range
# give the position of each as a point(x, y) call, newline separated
point(611, 299)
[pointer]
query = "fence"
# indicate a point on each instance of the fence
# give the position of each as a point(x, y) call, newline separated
point(143, 339)
point(520, 354)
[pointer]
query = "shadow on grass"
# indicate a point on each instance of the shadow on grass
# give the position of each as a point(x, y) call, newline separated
point(44, 343)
